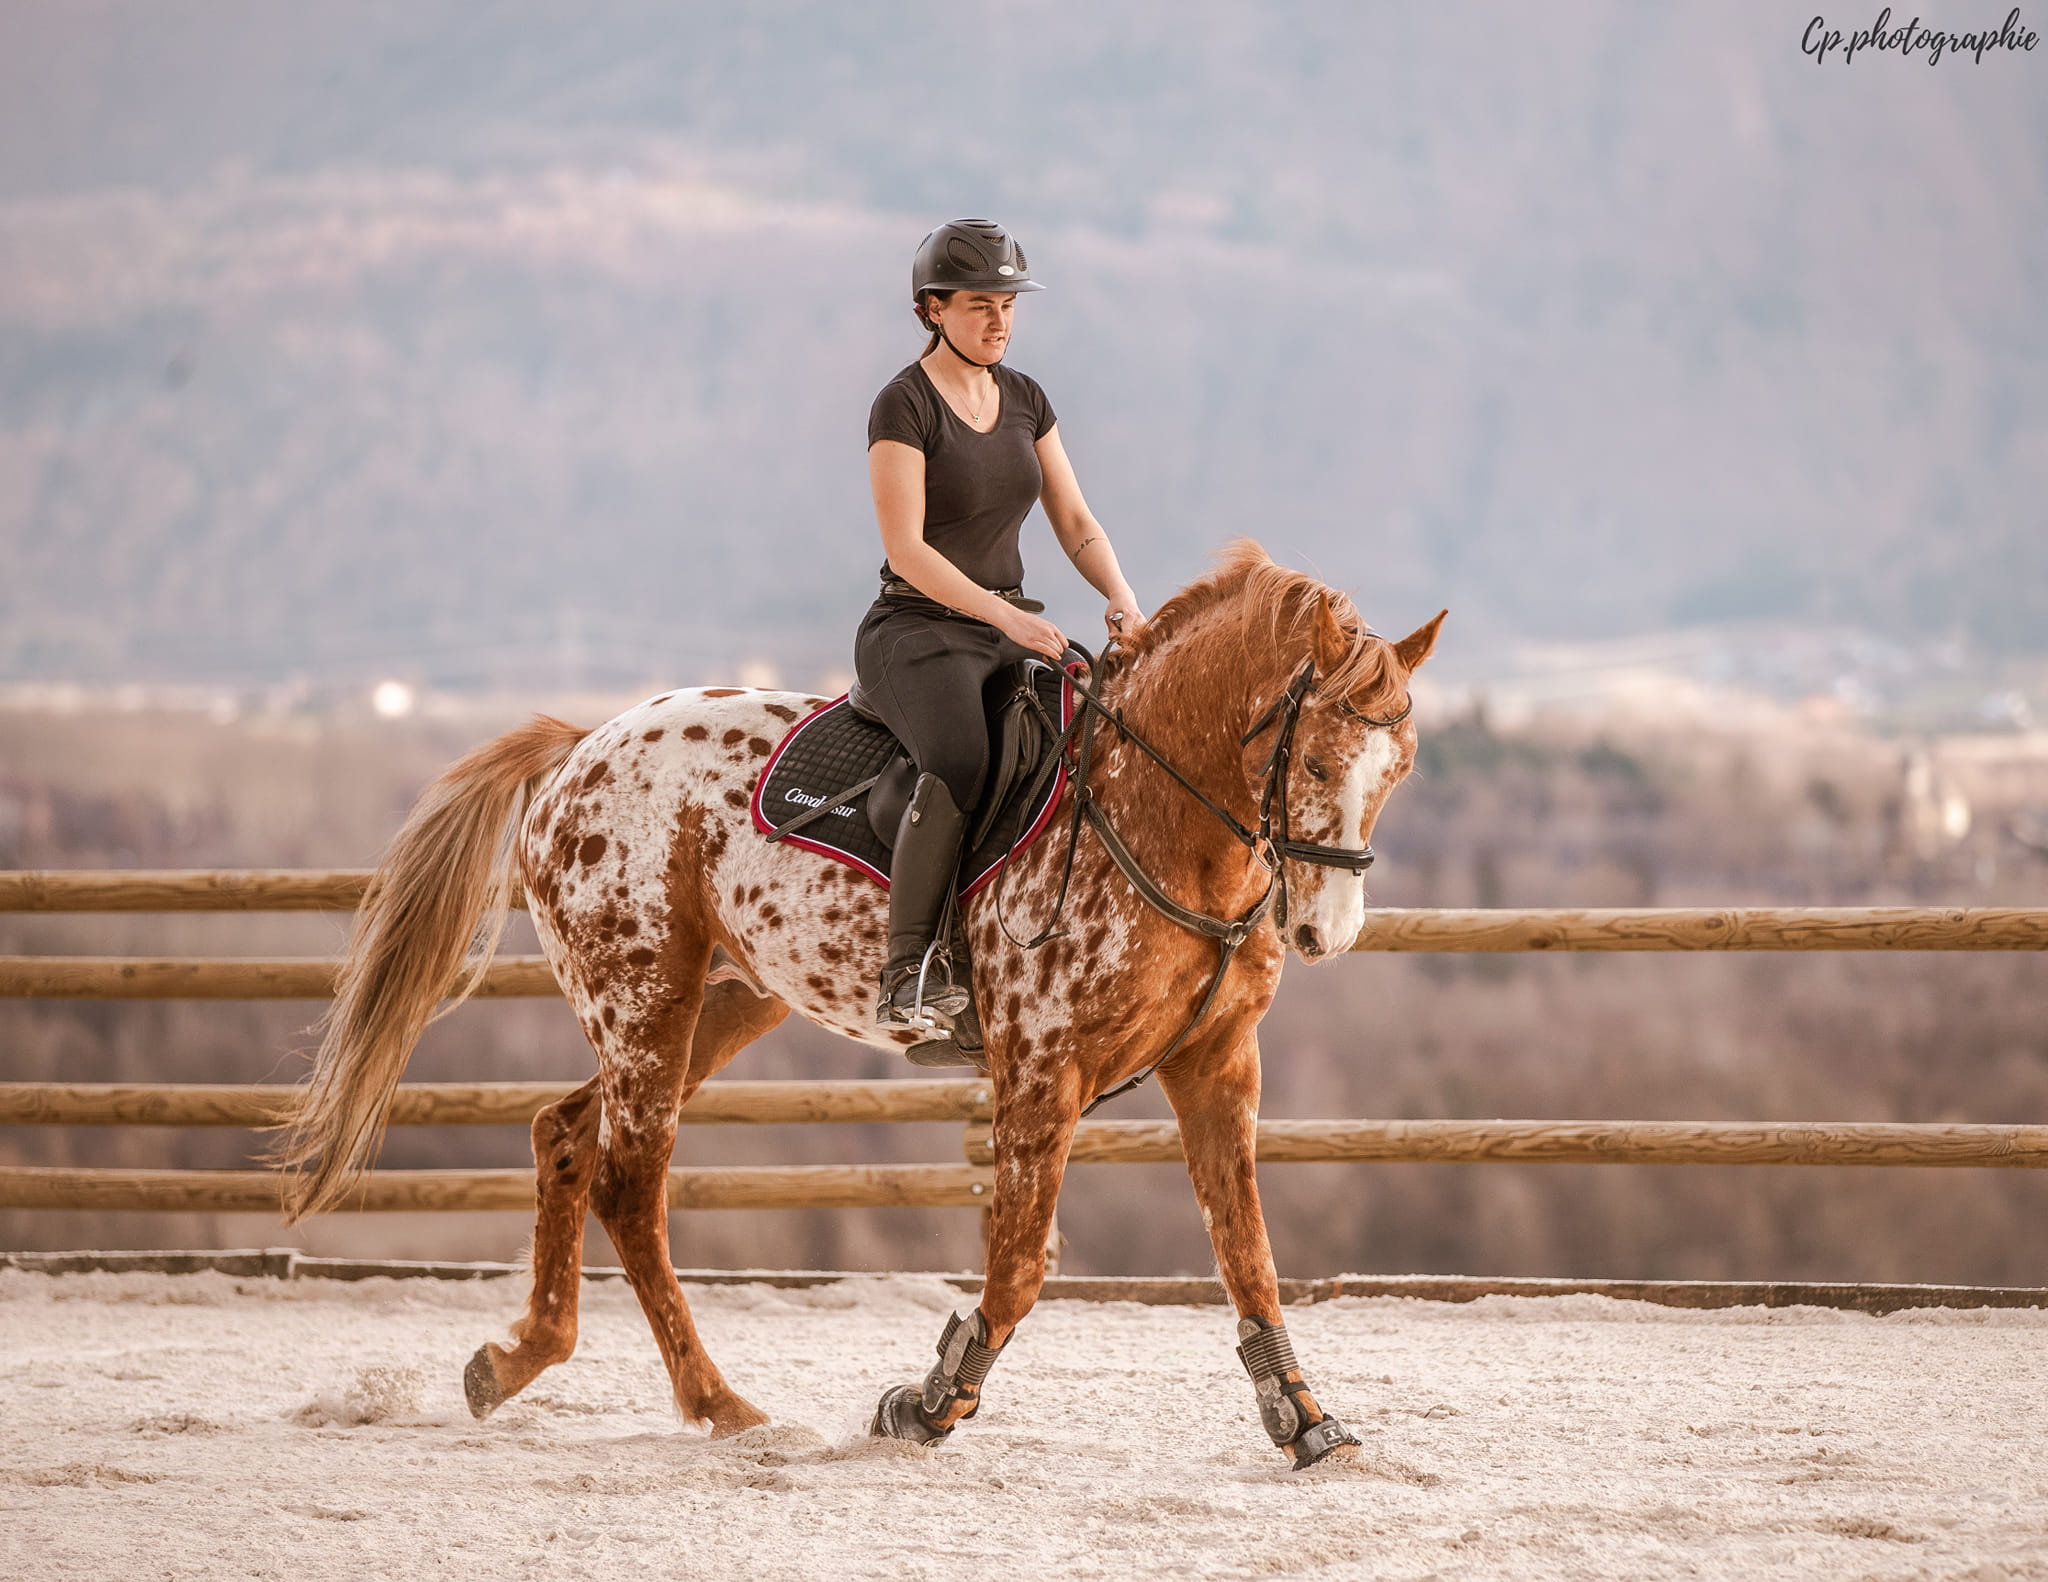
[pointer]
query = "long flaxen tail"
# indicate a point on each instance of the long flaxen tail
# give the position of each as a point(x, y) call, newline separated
point(439, 897)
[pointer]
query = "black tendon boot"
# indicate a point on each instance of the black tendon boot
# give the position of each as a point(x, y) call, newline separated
point(923, 1414)
point(921, 878)
point(1283, 1395)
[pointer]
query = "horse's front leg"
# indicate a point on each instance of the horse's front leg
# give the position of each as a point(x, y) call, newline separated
point(1034, 1127)
point(1216, 1100)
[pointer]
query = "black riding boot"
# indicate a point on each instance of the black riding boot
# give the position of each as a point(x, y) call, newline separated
point(921, 878)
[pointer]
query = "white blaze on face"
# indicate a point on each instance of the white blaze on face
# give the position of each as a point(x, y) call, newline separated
point(1338, 910)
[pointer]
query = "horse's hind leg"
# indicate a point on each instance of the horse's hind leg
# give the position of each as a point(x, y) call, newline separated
point(1216, 1099)
point(566, 1163)
point(630, 1195)
point(565, 1160)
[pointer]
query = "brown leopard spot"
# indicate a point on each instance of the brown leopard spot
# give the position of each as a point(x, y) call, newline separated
point(596, 777)
point(905, 1038)
point(781, 711)
point(733, 738)
point(723, 692)
point(641, 956)
point(695, 733)
point(610, 1016)
point(654, 735)
point(591, 849)
point(753, 895)
point(736, 799)
point(760, 746)
point(630, 927)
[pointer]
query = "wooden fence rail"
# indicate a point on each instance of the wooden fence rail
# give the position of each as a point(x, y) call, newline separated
point(962, 1102)
point(450, 1191)
point(484, 1103)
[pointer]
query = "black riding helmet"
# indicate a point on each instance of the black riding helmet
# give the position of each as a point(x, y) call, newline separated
point(968, 255)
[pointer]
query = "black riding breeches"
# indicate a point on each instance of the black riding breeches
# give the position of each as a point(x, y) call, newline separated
point(922, 674)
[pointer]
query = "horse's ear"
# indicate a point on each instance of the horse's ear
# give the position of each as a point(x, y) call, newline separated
point(1419, 644)
point(1331, 643)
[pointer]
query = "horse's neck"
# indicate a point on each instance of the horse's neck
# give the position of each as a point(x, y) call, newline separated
point(1191, 699)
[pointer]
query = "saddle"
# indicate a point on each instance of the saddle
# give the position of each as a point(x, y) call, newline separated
point(838, 782)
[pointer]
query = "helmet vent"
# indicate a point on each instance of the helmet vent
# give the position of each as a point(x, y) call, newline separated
point(965, 256)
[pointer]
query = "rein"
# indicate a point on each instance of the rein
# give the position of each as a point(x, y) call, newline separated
point(1229, 933)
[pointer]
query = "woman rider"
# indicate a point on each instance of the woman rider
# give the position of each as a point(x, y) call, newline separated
point(959, 447)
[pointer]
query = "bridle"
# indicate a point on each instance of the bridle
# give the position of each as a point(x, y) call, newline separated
point(1075, 748)
point(1287, 710)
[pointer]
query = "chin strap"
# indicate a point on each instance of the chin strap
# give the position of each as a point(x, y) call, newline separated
point(1283, 1394)
point(939, 329)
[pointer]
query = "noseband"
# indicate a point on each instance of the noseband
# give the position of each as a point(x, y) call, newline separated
point(1229, 933)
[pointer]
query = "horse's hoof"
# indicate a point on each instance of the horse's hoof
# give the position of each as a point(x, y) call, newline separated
point(480, 1384)
point(900, 1415)
point(734, 1416)
point(1328, 1440)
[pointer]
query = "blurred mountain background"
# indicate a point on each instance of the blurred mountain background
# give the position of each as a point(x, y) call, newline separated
point(533, 344)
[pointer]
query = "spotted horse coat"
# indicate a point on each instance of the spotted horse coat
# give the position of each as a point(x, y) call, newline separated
point(680, 935)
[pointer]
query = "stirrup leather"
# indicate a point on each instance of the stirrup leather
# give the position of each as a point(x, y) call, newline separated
point(1282, 1391)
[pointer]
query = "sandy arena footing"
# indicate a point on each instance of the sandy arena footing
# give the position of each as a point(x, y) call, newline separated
point(233, 1425)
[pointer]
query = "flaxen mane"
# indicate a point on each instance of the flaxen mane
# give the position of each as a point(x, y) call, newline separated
point(1281, 609)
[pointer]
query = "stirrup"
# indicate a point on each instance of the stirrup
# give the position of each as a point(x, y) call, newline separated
point(928, 1013)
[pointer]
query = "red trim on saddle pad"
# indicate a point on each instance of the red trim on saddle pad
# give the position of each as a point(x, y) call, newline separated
point(1052, 801)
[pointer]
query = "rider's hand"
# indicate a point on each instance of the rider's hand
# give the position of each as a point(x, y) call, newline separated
point(1122, 615)
point(1033, 632)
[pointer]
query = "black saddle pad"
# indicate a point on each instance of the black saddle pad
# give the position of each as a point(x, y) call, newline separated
point(834, 748)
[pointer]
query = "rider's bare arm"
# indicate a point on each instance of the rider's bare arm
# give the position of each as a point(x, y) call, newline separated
point(1080, 535)
point(896, 475)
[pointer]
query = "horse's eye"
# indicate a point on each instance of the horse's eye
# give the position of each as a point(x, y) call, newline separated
point(1314, 766)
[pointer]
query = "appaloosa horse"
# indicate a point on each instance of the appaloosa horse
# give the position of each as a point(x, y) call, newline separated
point(680, 936)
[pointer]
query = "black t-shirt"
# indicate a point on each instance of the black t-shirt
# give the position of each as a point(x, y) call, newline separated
point(978, 488)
